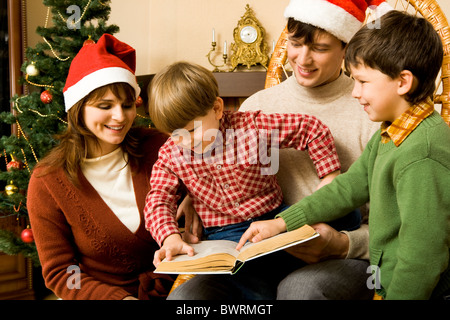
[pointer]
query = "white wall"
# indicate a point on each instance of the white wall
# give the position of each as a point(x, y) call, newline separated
point(165, 31)
point(182, 29)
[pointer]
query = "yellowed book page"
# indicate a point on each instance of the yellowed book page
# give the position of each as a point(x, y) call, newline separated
point(209, 255)
point(278, 242)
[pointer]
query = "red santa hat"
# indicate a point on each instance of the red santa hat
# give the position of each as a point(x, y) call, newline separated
point(96, 65)
point(341, 18)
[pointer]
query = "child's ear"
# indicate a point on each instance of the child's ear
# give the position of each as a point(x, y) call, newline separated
point(218, 108)
point(407, 83)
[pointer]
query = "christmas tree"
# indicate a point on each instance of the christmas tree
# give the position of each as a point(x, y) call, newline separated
point(39, 115)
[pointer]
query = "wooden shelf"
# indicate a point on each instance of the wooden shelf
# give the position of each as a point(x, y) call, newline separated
point(234, 87)
point(240, 84)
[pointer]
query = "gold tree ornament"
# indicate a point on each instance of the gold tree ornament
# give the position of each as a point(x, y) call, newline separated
point(11, 188)
point(249, 48)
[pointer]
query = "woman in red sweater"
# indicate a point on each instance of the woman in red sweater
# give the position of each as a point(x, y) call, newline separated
point(86, 198)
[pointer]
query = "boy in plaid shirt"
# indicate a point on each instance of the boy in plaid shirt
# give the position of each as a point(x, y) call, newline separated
point(231, 183)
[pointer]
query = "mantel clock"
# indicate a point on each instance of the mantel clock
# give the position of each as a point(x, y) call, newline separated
point(249, 48)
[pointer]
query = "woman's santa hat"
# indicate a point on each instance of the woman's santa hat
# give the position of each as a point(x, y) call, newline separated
point(96, 65)
point(341, 18)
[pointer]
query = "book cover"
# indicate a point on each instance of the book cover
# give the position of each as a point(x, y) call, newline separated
point(221, 256)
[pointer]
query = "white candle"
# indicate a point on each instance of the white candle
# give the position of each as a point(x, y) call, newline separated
point(225, 48)
point(214, 35)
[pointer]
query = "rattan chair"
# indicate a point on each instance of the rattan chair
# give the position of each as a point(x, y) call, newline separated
point(430, 10)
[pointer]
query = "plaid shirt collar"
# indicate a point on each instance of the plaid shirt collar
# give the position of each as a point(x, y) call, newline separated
point(400, 129)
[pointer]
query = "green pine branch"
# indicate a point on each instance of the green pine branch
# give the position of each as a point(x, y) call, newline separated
point(39, 122)
point(12, 245)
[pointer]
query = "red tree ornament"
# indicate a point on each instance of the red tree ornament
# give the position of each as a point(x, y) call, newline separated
point(46, 97)
point(88, 41)
point(139, 102)
point(14, 164)
point(27, 236)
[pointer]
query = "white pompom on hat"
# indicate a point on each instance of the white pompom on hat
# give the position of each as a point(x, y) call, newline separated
point(96, 65)
point(341, 18)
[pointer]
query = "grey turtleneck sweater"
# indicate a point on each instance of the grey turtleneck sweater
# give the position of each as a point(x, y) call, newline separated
point(351, 128)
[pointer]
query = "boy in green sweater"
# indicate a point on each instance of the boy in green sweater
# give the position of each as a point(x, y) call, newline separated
point(404, 170)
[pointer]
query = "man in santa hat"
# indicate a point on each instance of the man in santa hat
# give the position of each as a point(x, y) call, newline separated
point(319, 31)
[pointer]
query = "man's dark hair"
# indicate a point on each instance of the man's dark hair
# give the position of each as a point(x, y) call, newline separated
point(301, 30)
point(399, 41)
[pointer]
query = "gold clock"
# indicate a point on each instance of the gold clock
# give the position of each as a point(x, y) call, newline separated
point(249, 48)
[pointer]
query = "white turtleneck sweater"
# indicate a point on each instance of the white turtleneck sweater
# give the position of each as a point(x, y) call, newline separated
point(111, 178)
point(351, 128)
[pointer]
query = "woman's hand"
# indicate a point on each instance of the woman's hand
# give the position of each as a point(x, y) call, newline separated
point(261, 230)
point(192, 223)
point(172, 246)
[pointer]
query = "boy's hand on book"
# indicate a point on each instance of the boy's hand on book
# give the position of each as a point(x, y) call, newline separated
point(261, 230)
point(172, 246)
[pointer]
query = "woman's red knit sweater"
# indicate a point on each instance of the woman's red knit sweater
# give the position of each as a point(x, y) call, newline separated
point(78, 237)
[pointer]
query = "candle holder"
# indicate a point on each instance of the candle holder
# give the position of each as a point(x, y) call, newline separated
point(210, 59)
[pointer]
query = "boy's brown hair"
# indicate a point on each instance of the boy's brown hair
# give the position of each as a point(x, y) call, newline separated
point(180, 93)
point(401, 42)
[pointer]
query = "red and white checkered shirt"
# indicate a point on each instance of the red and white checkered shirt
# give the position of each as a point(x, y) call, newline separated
point(235, 181)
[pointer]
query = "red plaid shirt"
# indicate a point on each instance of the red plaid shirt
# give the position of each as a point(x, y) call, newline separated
point(228, 185)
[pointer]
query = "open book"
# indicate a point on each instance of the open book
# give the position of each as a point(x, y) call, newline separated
point(220, 256)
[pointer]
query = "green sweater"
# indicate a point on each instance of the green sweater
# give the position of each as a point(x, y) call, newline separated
point(409, 222)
